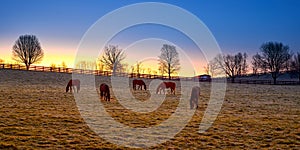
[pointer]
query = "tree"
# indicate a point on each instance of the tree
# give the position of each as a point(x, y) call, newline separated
point(63, 64)
point(232, 65)
point(296, 64)
point(169, 60)
point(245, 65)
point(273, 56)
point(86, 65)
point(1, 61)
point(27, 50)
point(256, 63)
point(112, 58)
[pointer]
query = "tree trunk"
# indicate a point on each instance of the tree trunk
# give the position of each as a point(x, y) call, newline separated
point(274, 76)
point(232, 79)
point(299, 76)
point(169, 76)
point(274, 80)
point(27, 67)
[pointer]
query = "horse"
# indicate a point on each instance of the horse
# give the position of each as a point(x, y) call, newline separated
point(140, 84)
point(73, 83)
point(162, 86)
point(104, 91)
point(194, 96)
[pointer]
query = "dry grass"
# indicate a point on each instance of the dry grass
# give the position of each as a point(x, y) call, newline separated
point(36, 113)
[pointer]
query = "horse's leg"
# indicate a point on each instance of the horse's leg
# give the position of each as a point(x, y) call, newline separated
point(197, 102)
point(191, 102)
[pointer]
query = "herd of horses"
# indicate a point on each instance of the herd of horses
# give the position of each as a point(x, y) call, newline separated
point(138, 85)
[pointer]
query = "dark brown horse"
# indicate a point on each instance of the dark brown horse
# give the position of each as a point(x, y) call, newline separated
point(73, 83)
point(140, 84)
point(166, 85)
point(104, 91)
point(194, 97)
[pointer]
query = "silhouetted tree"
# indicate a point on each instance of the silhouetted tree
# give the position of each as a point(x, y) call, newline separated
point(256, 63)
point(27, 50)
point(296, 64)
point(169, 60)
point(112, 58)
point(273, 56)
point(245, 65)
point(138, 68)
point(232, 65)
point(214, 68)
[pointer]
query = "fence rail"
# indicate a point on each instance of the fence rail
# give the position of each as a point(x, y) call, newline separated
point(250, 81)
point(91, 72)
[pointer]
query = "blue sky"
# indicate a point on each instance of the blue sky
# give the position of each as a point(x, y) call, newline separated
point(237, 25)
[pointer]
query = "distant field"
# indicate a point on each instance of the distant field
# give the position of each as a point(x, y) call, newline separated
point(36, 113)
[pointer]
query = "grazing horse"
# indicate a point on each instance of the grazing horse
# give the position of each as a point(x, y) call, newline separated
point(104, 91)
point(195, 97)
point(73, 83)
point(140, 84)
point(167, 85)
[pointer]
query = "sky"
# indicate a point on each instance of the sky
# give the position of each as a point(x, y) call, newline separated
point(237, 26)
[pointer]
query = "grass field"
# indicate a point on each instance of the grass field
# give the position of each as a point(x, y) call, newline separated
point(36, 113)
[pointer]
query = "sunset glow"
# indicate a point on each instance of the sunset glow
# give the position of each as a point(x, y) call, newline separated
point(60, 33)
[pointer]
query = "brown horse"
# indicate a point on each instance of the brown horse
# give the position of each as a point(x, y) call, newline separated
point(140, 84)
point(73, 83)
point(104, 91)
point(194, 97)
point(164, 85)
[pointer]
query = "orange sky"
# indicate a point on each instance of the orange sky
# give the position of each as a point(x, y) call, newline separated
point(56, 55)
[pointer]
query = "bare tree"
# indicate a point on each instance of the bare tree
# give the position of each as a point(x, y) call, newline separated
point(63, 64)
point(274, 55)
point(138, 68)
point(245, 65)
point(207, 69)
point(27, 49)
point(256, 63)
point(232, 65)
point(112, 58)
point(169, 60)
point(296, 64)
point(86, 65)
point(214, 68)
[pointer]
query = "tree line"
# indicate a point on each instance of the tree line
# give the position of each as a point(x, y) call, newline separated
point(273, 58)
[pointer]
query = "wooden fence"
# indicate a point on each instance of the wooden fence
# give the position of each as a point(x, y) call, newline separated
point(245, 81)
point(91, 72)
point(134, 75)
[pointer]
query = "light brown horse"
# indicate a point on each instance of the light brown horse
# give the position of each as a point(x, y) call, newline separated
point(104, 91)
point(73, 83)
point(164, 85)
point(140, 84)
point(194, 97)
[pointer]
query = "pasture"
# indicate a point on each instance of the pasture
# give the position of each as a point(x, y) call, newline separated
point(37, 113)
